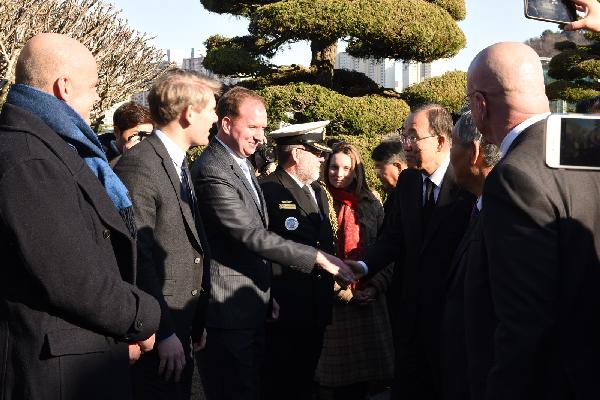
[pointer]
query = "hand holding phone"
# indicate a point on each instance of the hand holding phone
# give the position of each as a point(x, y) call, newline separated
point(557, 11)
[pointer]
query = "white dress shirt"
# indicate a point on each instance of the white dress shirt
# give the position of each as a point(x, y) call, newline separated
point(177, 155)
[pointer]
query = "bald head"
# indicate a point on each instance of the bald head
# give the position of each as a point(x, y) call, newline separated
point(62, 67)
point(505, 84)
point(49, 56)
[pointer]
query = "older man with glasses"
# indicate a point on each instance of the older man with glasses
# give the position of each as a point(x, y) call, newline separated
point(431, 216)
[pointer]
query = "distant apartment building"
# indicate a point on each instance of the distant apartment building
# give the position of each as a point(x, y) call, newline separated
point(392, 74)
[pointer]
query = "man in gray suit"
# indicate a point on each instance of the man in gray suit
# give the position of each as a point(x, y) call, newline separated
point(172, 246)
point(234, 211)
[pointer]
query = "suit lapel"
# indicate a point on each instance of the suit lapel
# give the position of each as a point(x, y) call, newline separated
point(223, 155)
point(169, 169)
point(463, 246)
point(321, 198)
point(83, 175)
point(296, 191)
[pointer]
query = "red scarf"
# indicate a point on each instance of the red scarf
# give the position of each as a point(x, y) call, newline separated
point(348, 227)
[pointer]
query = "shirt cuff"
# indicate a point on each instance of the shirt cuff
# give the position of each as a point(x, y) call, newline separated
point(364, 267)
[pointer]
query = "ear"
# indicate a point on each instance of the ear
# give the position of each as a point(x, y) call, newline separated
point(295, 156)
point(63, 89)
point(226, 124)
point(476, 154)
point(399, 166)
point(442, 140)
point(481, 105)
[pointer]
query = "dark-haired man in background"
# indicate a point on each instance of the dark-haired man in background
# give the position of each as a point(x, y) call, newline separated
point(131, 124)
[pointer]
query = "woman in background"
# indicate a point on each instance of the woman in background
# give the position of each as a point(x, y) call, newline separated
point(357, 355)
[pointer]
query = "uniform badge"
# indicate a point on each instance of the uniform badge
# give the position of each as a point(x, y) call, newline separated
point(291, 223)
point(287, 205)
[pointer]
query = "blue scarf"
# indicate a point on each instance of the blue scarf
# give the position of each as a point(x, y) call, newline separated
point(69, 125)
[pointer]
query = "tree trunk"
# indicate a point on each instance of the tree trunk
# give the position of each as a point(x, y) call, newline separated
point(323, 61)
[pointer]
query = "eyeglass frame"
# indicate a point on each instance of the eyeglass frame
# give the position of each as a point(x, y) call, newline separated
point(141, 135)
point(316, 153)
point(413, 140)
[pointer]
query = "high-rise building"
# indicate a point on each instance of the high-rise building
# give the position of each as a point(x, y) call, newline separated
point(392, 74)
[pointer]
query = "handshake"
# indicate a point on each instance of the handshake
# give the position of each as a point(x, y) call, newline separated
point(344, 272)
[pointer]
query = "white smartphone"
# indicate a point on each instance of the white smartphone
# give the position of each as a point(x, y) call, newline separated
point(573, 141)
point(557, 11)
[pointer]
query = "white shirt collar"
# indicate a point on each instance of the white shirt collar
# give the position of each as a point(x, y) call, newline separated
point(238, 159)
point(479, 203)
point(177, 155)
point(516, 131)
point(438, 176)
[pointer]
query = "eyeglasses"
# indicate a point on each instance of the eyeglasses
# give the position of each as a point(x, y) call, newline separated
point(412, 140)
point(141, 135)
point(317, 153)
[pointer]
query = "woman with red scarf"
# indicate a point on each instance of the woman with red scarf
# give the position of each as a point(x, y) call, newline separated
point(357, 351)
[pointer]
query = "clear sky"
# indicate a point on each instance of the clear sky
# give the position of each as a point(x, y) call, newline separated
point(185, 24)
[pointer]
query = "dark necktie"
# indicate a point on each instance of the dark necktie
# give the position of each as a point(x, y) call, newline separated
point(188, 192)
point(311, 200)
point(429, 201)
point(474, 214)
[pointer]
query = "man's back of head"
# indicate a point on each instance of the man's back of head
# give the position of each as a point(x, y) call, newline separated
point(505, 86)
point(62, 67)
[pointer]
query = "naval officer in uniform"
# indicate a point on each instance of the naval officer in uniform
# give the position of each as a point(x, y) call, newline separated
point(298, 210)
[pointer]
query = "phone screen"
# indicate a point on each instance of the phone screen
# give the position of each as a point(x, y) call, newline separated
point(580, 142)
point(551, 10)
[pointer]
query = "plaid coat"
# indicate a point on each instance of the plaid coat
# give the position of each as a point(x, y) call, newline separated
point(358, 344)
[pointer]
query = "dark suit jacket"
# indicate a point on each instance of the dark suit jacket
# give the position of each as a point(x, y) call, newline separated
point(423, 255)
point(305, 299)
point(67, 299)
point(541, 229)
point(469, 320)
point(242, 247)
point(171, 252)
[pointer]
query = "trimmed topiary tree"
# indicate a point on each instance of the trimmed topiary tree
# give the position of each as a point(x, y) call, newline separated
point(420, 30)
point(447, 90)
point(366, 116)
point(576, 70)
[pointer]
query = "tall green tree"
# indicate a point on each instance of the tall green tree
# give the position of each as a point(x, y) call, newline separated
point(419, 30)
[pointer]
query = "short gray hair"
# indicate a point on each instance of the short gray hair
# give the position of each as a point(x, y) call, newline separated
point(466, 132)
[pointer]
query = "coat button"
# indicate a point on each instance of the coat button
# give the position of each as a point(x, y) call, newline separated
point(197, 260)
point(106, 234)
point(318, 276)
point(318, 243)
point(139, 324)
point(194, 292)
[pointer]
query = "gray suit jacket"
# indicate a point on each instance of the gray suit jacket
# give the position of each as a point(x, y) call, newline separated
point(171, 252)
point(241, 246)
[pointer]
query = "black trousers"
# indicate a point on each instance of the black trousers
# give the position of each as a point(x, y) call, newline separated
point(417, 370)
point(231, 363)
point(148, 385)
point(292, 354)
